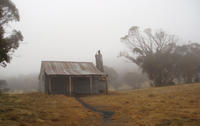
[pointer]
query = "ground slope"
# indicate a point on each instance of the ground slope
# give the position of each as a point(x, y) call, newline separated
point(163, 106)
point(38, 109)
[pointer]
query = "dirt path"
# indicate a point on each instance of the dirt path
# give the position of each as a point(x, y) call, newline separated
point(106, 115)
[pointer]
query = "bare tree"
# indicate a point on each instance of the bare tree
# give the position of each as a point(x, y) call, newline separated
point(147, 43)
point(153, 52)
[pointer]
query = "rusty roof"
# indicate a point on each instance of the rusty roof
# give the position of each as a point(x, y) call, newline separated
point(69, 68)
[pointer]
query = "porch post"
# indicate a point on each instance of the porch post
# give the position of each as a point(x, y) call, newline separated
point(49, 84)
point(90, 85)
point(70, 85)
point(106, 85)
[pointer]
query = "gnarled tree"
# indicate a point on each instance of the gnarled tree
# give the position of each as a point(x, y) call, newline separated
point(8, 43)
point(153, 53)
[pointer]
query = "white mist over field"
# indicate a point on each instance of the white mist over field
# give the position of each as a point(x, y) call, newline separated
point(73, 30)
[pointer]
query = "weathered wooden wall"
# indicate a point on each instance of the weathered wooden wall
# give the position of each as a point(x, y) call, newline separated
point(59, 85)
point(80, 85)
point(99, 85)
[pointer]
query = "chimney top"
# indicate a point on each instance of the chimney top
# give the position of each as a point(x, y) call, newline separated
point(99, 61)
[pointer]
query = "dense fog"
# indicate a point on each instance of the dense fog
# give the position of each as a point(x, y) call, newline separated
point(117, 80)
point(74, 31)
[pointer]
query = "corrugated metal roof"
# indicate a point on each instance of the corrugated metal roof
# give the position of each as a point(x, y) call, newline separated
point(69, 68)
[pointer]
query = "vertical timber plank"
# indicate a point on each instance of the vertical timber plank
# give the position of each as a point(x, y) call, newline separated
point(50, 90)
point(67, 85)
point(70, 85)
point(90, 85)
point(106, 85)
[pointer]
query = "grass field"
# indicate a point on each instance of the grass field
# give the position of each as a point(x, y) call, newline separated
point(37, 109)
point(163, 106)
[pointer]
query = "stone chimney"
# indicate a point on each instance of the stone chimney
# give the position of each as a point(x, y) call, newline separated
point(99, 61)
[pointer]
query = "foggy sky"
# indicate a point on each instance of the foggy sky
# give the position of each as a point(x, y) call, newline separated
point(73, 30)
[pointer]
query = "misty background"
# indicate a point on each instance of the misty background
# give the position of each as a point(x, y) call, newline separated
point(74, 30)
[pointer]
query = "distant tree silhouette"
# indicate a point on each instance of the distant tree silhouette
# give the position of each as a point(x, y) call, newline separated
point(135, 79)
point(113, 77)
point(157, 54)
point(188, 62)
point(8, 42)
point(152, 52)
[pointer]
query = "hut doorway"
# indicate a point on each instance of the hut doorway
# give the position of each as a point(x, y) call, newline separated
point(80, 85)
point(59, 85)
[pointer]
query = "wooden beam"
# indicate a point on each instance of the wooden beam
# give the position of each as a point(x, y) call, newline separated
point(106, 85)
point(50, 90)
point(90, 85)
point(67, 85)
point(70, 85)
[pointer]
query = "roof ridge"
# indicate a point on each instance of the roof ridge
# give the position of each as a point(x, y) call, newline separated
point(68, 61)
point(70, 68)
